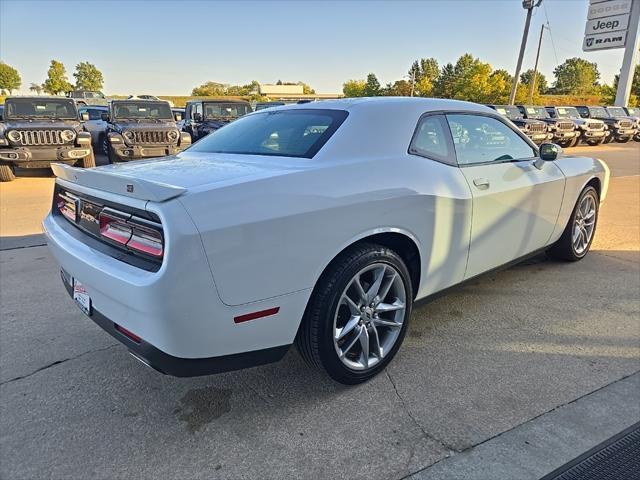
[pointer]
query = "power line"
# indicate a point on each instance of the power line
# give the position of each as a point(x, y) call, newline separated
point(553, 44)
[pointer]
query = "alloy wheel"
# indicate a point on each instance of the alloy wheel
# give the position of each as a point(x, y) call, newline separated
point(369, 316)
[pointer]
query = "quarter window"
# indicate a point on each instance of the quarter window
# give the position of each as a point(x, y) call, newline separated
point(430, 139)
point(483, 139)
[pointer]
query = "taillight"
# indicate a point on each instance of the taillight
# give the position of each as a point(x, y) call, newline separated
point(146, 241)
point(115, 229)
point(67, 205)
point(133, 233)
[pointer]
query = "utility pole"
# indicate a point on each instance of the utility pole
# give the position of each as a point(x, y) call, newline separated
point(528, 5)
point(630, 59)
point(532, 82)
point(413, 81)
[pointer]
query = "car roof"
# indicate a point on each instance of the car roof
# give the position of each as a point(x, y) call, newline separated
point(219, 100)
point(38, 97)
point(425, 104)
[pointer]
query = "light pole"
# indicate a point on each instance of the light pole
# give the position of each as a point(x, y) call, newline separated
point(527, 5)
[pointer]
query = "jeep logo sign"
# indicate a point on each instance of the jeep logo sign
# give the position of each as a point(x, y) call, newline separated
point(607, 24)
point(604, 41)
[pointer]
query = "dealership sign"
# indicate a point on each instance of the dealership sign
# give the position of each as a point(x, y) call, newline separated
point(607, 23)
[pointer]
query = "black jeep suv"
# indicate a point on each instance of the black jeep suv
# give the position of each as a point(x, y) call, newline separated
point(142, 129)
point(38, 131)
point(205, 116)
point(536, 130)
point(563, 130)
point(590, 131)
point(621, 129)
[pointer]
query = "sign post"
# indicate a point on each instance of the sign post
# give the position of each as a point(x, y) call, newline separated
point(615, 24)
point(630, 59)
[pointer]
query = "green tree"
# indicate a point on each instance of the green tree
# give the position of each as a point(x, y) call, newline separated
point(57, 81)
point(576, 76)
point(354, 88)
point(88, 77)
point(36, 88)
point(444, 85)
point(372, 86)
point(424, 73)
point(9, 78)
point(399, 88)
point(209, 89)
point(541, 85)
point(499, 87)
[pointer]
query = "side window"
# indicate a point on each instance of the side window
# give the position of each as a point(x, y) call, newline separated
point(482, 139)
point(584, 112)
point(196, 108)
point(431, 140)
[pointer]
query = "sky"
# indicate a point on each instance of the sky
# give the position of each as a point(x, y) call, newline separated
point(168, 47)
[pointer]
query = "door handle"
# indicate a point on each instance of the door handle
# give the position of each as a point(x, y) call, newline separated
point(481, 183)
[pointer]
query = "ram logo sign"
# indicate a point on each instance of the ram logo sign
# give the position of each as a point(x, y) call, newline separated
point(604, 41)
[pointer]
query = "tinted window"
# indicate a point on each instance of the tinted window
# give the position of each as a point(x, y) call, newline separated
point(430, 139)
point(480, 139)
point(45, 108)
point(289, 133)
point(94, 113)
point(145, 109)
point(583, 111)
point(216, 111)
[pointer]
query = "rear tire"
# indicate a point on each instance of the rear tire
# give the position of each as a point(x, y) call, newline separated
point(89, 161)
point(575, 242)
point(353, 333)
point(6, 173)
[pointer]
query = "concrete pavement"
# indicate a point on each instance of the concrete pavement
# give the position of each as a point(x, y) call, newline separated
point(477, 367)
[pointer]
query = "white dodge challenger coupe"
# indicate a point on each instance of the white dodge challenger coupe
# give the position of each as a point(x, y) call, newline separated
point(316, 224)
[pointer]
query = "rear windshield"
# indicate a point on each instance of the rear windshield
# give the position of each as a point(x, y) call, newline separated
point(285, 133)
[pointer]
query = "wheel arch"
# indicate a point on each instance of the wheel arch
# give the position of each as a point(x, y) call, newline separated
point(404, 243)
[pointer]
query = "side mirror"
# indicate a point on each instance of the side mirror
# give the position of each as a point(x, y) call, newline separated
point(84, 116)
point(104, 117)
point(550, 151)
point(177, 116)
point(197, 117)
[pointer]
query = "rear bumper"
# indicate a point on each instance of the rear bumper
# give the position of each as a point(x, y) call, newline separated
point(183, 367)
point(176, 310)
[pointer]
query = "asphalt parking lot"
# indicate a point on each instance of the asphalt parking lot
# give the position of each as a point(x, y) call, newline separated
point(508, 377)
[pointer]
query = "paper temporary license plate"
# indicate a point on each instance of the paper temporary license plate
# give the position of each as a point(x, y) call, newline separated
point(82, 298)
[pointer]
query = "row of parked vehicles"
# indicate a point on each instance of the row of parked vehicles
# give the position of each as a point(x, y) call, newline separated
point(36, 131)
point(569, 126)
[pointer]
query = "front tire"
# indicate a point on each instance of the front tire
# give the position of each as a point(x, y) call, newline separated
point(575, 242)
point(6, 173)
point(358, 314)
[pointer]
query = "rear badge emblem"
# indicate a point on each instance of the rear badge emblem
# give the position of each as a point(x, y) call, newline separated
point(129, 188)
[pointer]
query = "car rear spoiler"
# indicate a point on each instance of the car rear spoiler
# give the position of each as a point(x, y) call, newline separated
point(118, 184)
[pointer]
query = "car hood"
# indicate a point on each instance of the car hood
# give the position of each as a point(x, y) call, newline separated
point(164, 178)
point(121, 126)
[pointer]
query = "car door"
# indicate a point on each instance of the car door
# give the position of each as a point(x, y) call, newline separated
point(515, 204)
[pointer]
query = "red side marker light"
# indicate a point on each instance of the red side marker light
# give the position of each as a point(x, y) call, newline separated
point(128, 333)
point(255, 315)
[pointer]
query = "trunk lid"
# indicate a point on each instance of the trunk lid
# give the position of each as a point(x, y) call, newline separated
point(165, 178)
